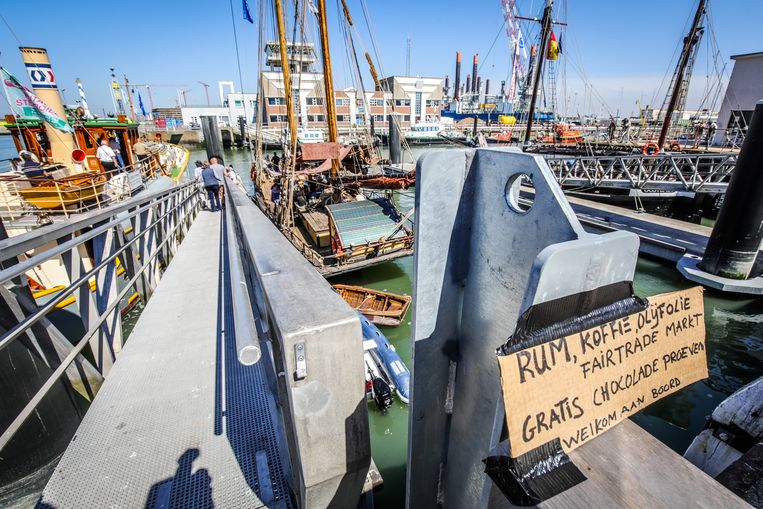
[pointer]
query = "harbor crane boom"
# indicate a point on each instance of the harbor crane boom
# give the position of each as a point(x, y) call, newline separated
point(206, 90)
point(149, 86)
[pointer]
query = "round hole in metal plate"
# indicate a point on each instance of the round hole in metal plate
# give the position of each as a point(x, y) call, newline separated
point(517, 201)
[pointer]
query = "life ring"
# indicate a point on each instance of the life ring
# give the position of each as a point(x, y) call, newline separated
point(650, 149)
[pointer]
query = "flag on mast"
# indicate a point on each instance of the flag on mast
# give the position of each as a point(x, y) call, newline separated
point(247, 13)
point(553, 48)
point(140, 104)
point(27, 106)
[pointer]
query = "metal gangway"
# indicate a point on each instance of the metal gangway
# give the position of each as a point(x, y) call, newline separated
point(240, 385)
point(697, 173)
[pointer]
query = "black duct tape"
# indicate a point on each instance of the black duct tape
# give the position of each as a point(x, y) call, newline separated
point(568, 315)
point(533, 477)
point(547, 470)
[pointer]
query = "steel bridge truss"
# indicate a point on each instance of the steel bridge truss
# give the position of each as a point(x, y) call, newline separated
point(706, 173)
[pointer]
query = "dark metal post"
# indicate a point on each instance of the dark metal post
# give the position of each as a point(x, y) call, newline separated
point(395, 151)
point(468, 84)
point(738, 231)
point(541, 56)
point(474, 73)
point(242, 128)
point(212, 140)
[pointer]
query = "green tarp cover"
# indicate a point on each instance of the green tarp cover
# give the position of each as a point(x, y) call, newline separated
point(361, 222)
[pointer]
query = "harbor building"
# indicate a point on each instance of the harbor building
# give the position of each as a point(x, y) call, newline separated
point(745, 88)
point(415, 99)
point(234, 105)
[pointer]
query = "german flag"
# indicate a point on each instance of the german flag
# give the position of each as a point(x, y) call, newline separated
point(552, 53)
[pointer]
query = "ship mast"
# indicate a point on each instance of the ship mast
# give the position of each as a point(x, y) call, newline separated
point(678, 79)
point(546, 27)
point(286, 70)
point(328, 84)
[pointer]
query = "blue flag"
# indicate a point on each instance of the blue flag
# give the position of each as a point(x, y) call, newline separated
point(247, 14)
point(140, 103)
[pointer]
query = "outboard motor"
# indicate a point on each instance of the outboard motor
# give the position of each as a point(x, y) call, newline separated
point(382, 393)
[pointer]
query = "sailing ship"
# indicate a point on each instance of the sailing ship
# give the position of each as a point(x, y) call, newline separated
point(316, 192)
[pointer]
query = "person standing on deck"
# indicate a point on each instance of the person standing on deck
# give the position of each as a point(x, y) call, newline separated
point(197, 171)
point(711, 128)
point(212, 184)
point(106, 156)
point(141, 150)
point(117, 148)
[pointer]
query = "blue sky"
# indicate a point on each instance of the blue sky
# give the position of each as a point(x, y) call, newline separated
point(624, 47)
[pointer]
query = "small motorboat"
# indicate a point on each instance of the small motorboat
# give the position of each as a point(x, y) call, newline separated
point(382, 308)
point(383, 361)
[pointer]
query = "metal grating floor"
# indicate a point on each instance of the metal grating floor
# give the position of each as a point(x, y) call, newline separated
point(179, 423)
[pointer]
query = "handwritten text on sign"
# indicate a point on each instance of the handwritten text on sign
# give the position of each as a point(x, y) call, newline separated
point(574, 388)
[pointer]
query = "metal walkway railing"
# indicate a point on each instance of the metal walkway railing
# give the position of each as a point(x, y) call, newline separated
point(705, 173)
point(107, 256)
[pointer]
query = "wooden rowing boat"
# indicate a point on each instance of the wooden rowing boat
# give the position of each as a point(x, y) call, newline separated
point(381, 308)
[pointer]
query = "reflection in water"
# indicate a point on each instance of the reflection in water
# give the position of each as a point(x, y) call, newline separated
point(734, 349)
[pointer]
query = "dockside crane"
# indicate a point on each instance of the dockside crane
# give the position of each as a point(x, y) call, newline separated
point(149, 86)
point(206, 91)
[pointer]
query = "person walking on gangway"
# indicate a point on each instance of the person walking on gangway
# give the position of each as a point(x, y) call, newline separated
point(219, 170)
point(212, 184)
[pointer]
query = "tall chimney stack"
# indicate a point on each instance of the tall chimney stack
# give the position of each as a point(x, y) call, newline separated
point(474, 73)
point(61, 143)
point(457, 84)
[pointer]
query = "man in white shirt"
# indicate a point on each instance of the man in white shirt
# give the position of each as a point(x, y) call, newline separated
point(106, 156)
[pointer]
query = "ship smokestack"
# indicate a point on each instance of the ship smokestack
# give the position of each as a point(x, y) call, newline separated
point(83, 99)
point(468, 83)
point(474, 73)
point(38, 64)
point(457, 84)
point(487, 87)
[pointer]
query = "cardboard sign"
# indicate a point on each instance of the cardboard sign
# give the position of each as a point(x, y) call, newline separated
point(576, 387)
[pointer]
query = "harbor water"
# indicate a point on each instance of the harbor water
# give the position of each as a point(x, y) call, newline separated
point(734, 329)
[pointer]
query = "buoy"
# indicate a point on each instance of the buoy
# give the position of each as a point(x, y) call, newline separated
point(78, 155)
point(650, 149)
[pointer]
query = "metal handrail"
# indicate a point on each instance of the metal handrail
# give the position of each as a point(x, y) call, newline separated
point(147, 169)
point(98, 322)
point(698, 173)
point(22, 268)
point(20, 244)
point(247, 340)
